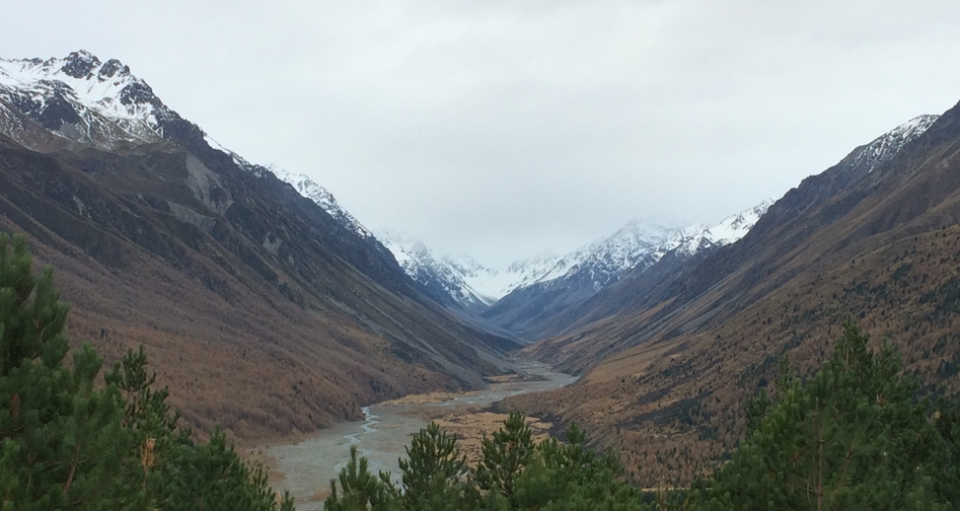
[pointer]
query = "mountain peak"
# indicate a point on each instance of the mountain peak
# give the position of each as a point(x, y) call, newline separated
point(322, 197)
point(80, 64)
point(886, 146)
point(81, 99)
point(651, 226)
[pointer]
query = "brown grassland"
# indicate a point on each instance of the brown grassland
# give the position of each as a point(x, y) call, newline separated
point(672, 406)
point(267, 317)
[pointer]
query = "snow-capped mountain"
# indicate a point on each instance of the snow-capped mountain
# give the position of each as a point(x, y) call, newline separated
point(79, 99)
point(634, 248)
point(638, 243)
point(695, 238)
point(641, 243)
point(323, 198)
point(884, 147)
point(445, 279)
point(525, 272)
point(470, 284)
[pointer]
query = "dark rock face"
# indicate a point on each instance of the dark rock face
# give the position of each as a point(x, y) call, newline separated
point(79, 64)
point(253, 245)
point(112, 68)
point(50, 113)
point(137, 92)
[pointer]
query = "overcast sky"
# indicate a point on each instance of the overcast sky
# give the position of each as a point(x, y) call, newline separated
point(507, 128)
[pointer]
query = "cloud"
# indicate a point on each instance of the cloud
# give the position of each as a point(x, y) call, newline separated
point(505, 128)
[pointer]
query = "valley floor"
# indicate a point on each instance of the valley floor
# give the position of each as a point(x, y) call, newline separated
point(306, 466)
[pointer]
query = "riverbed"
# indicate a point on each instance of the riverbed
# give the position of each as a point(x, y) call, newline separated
point(308, 466)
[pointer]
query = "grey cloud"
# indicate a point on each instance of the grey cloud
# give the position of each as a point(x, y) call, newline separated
point(505, 128)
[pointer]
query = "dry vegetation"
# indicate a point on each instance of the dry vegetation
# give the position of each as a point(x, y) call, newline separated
point(266, 342)
point(672, 406)
point(471, 423)
point(664, 385)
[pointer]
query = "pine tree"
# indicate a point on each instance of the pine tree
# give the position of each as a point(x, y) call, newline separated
point(947, 423)
point(68, 443)
point(178, 474)
point(211, 476)
point(434, 472)
point(570, 477)
point(851, 437)
point(62, 445)
point(148, 418)
point(505, 454)
point(360, 488)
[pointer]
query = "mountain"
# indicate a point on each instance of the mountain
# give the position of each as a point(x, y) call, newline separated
point(322, 197)
point(263, 306)
point(874, 238)
point(460, 282)
point(49, 104)
point(886, 146)
point(728, 231)
point(542, 307)
point(522, 298)
point(444, 278)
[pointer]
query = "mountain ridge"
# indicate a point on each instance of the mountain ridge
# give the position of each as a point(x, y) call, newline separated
point(541, 309)
point(874, 241)
point(229, 276)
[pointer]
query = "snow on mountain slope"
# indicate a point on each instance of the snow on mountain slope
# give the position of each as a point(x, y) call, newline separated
point(79, 99)
point(640, 244)
point(736, 226)
point(322, 197)
point(445, 278)
point(884, 147)
point(524, 272)
point(540, 308)
point(729, 230)
point(470, 283)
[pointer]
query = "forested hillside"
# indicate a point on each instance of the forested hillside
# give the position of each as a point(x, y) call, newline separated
point(876, 241)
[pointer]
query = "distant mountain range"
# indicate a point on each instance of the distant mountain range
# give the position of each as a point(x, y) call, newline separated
point(524, 288)
point(460, 281)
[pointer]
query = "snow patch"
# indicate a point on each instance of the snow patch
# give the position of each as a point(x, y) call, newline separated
point(886, 146)
point(320, 196)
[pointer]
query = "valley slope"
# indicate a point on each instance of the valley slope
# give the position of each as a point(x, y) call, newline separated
point(670, 357)
point(260, 310)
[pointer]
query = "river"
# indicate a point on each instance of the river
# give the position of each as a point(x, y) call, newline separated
point(308, 466)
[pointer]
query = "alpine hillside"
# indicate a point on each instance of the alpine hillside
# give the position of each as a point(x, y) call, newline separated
point(668, 362)
point(263, 306)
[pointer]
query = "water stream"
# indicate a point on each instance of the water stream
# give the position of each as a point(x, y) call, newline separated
point(381, 437)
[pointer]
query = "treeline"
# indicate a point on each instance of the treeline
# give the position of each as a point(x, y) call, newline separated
point(853, 436)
